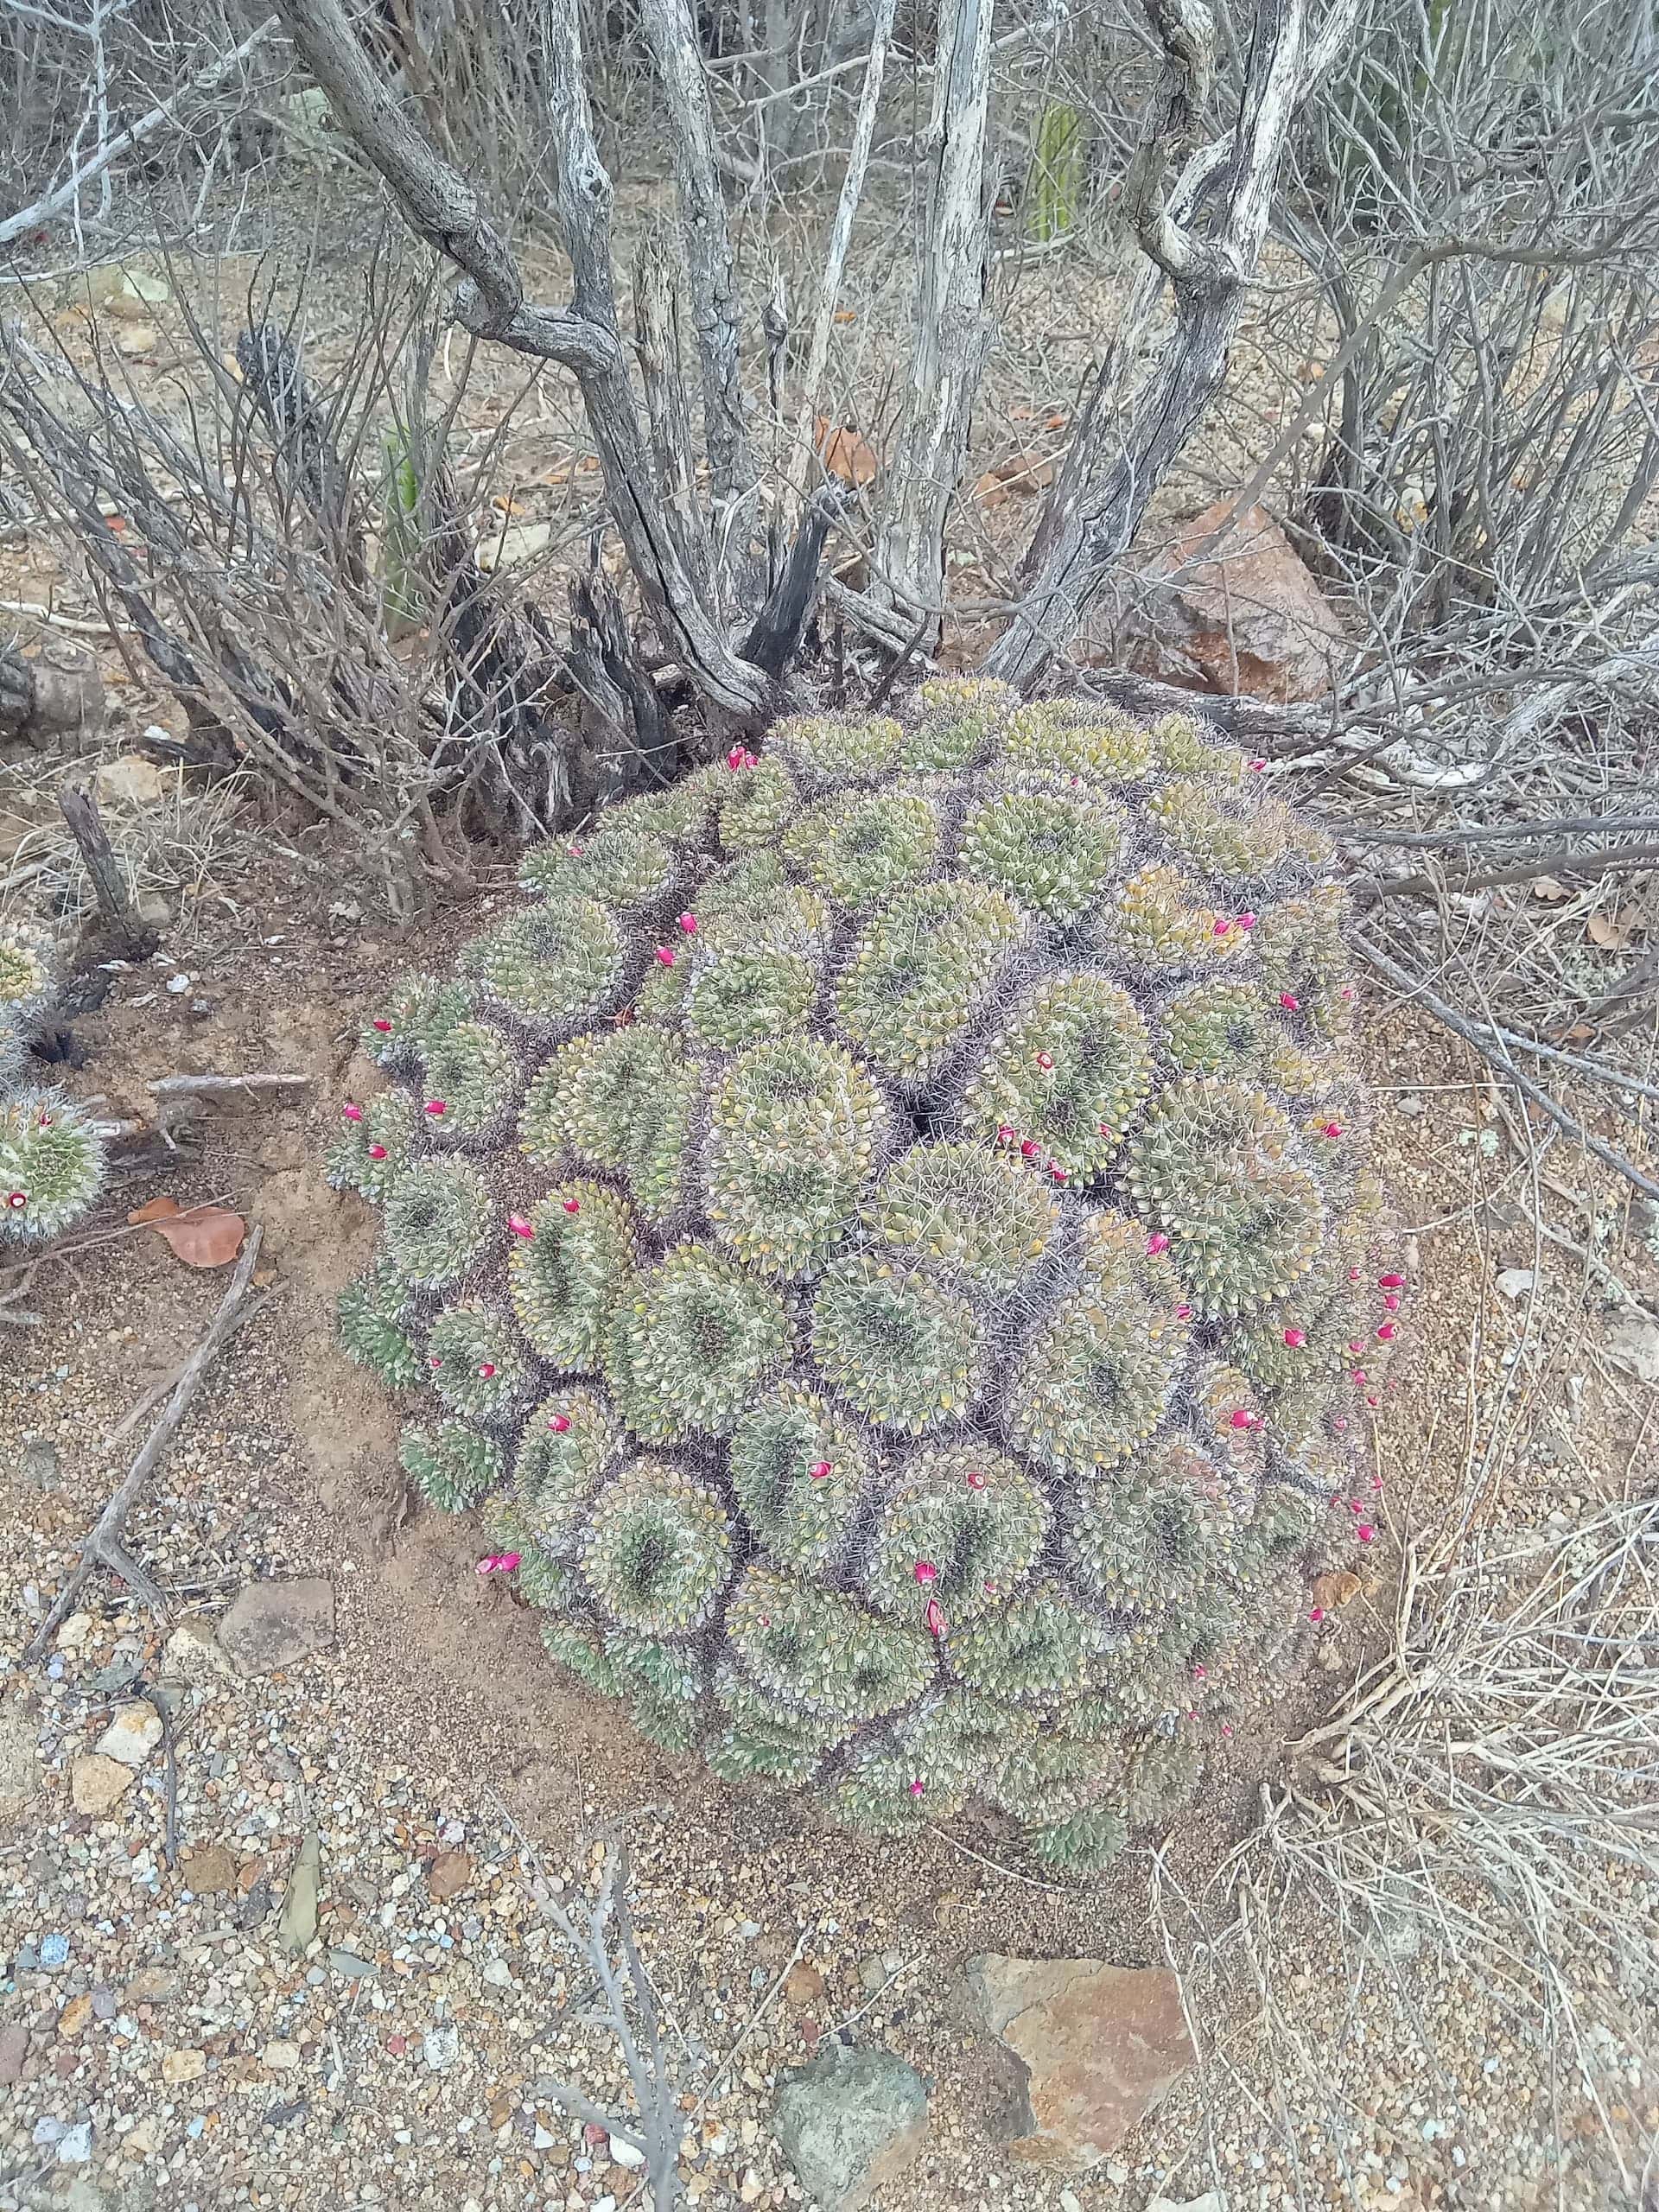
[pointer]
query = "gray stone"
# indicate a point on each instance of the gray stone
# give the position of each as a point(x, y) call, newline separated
point(353, 1967)
point(851, 2121)
point(299, 1922)
point(274, 1624)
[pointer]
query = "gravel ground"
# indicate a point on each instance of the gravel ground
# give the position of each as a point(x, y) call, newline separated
point(175, 2035)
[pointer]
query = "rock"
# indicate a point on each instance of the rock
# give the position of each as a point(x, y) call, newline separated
point(441, 2046)
point(152, 1985)
point(281, 2057)
point(193, 1652)
point(133, 1734)
point(129, 781)
point(75, 2015)
point(803, 1984)
point(19, 1775)
point(1245, 616)
point(98, 1784)
point(181, 2066)
point(1211, 2201)
point(1092, 2048)
point(271, 1625)
point(1633, 1346)
point(1515, 1282)
point(297, 1928)
point(351, 1966)
point(851, 2121)
point(75, 1631)
point(209, 1872)
point(450, 1872)
point(14, 2048)
point(75, 2145)
point(512, 547)
point(626, 2154)
point(142, 2139)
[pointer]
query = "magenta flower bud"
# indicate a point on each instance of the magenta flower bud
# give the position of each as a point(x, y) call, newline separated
point(1246, 921)
point(1295, 1338)
point(519, 1226)
point(352, 1112)
point(1156, 1243)
point(1390, 1282)
point(486, 1368)
point(1028, 1150)
point(559, 1423)
point(917, 1788)
point(377, 1152)
point(1365, 1531)
point(976, 1478)
point(820, 1471)
point(1183, 1313)
point(1386, 1332)
point(664, 955)
point(571, 1206)
point(1006, 1133)
point(688, 922)
point(933, 1618)
point(381, 1024)
point(434, 1107)
point(1239, 1418)
point(1256, 766)
point(1317, 1613)
point(1045, 1060)
point(1290, 1002)
point(1390, 1304)
point(925, 1571)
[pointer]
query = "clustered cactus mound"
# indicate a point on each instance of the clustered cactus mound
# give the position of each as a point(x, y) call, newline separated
point(884, 1229)
point(51, 1156)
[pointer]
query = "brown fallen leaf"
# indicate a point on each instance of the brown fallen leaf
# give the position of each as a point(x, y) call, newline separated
point(844, 453)
point(205, 1236)
point(846, 315)
point(1550, 890)
point(1336, 1588)
point(1613, 932)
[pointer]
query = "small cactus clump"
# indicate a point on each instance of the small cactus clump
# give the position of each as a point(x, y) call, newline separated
point(51, 1154)
point(885, 1233)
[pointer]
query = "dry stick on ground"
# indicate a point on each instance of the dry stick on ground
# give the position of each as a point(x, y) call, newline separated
point(38, 701)
point(103, 1546)
point(1492, 1043)
point(180, 1096)
point(588, 1930)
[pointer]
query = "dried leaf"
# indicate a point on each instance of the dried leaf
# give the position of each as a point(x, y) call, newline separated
point(1580, 1032)
point(1613, 932)
point(206, 1237)
point(845, 453)
point(1633, 1346)
point(846, 315)
point(1339, 1587)
point(1514, 1282)
point(157, 1210)
point(1549, 889)
point(1054, 423)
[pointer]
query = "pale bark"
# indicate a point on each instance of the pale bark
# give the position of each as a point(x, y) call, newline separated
point(1087, 530)
point(672, 29)
point(951, 330)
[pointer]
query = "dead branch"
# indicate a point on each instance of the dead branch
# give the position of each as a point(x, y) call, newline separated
point(670, 29)
point(441, 208)
point(775, 639)
point(180, 1097)
point(1492, 1043)
point(130, 937)
point(1558, 860)
point(103, 1546)
point(951, 330)
point(64, 196)
point(1208, 273)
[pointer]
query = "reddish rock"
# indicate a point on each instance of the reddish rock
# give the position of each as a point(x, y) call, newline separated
point(1091, 2049)
point(1244, 615)
point(449, 1873)
point(14, 2048)
point(272, 1625)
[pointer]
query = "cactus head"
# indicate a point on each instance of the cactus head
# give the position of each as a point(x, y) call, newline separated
point(885, 1253)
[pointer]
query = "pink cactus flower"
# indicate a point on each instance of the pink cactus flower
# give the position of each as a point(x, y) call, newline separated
point(486, 1369)
point(1349, 993)
point(559, 1423)
point(1355, 1343)
point(1365, 1531)
point(381, 1024)
point(1226, 1727)
point(1156, 1243)
point(1060, 1174)
point(1199, 1673)
point(434, 1362)
point(1240, 1418)
point(1391, 1304)
point(377, 1152)
point(519, 1226)
point(1290, 1002)
point(1006, 1133)
point(1183, 1313)
point(571, 1206)
point(1220, 926)
point(1359, 1378)
point(933, 1617)
point(436, 1108)
point(1027, 1150)
point(1316, 1613)
point(1353, 1275)
point(820, 1471)
point(925, 1571)
point(1390, 1282)
point(1295, 1338)
point(917, 1788)
point(664, 955)
point(1246, 921)
point(352, 1113)
point(688, 922)
point(1256, 766)
point(1045, 1060)
point(575, 851)
point(1386, 1332)
point(1332, 1129)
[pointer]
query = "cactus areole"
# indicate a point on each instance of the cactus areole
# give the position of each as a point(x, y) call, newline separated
point(901, 1337)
